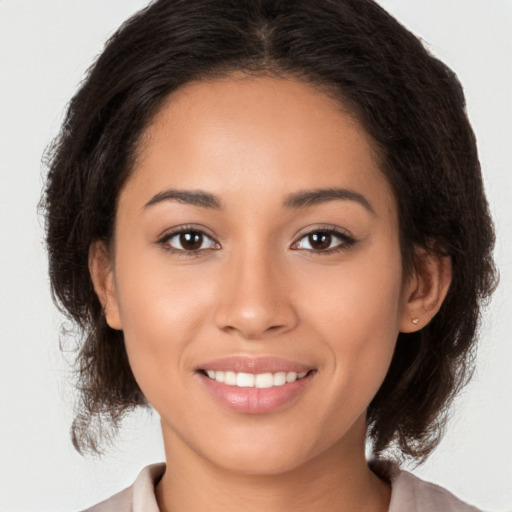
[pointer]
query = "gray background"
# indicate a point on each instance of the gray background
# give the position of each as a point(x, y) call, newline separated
point(45, 47)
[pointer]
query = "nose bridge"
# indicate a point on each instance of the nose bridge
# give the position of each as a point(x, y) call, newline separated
point(254, 301)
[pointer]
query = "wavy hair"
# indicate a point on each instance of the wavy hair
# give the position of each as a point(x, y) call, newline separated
point(410, 103)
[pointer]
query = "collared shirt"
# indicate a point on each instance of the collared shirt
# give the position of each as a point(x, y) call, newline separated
point(408, 493)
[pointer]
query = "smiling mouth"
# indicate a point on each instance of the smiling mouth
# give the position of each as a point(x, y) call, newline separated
point(252, 380)
point(255, 385)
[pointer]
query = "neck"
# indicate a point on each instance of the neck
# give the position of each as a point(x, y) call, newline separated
point(338, 480)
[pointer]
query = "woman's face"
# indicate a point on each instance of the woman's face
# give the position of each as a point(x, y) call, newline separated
point(257, 243)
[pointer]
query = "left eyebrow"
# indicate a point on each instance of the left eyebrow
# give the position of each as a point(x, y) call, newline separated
point(306, 198)
point(193, 197)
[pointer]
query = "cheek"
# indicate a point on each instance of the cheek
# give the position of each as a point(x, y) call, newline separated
point(357, 313)
point(360, 300)
point(162, 311)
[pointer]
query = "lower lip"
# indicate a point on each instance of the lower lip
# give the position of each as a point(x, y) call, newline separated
point(256, 400)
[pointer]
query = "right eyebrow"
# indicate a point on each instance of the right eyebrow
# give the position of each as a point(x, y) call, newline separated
point(193, 197)
point(306, 198)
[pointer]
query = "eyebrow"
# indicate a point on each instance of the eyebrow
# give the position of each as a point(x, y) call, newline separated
point(193, 197)
point(297, 200)
point(307, 198)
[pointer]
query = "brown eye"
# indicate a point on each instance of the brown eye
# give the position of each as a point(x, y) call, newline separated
point(191, 241)
point(320, 241)
point(188, 240)
point(324, 241)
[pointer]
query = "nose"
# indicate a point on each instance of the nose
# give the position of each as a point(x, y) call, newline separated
point(254, 300)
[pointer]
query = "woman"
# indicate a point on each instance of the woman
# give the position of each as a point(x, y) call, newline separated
point(268, 218)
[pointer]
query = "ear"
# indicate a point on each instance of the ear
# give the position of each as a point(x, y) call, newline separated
point(103, 279)
point(425, 290)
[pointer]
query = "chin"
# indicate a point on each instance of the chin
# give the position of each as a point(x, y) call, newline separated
point(266, 453)
point(260, 464)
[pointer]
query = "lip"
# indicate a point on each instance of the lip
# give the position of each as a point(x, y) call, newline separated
point(254, 365)
point(255, 400)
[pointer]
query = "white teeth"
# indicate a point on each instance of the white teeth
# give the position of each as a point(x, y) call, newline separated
point(229, 378)
point(264, 380)
point(279, 378)
point(245, 380)
point(291, 377)
point(259, 380)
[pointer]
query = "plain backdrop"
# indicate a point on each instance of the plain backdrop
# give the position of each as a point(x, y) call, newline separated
point(45, 48)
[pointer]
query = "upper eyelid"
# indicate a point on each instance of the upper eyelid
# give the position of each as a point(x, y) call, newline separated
point(324, 228)
point(170, 232)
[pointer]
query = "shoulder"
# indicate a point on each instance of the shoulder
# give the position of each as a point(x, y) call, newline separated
point(139, 497)
point(120, 502)
point(409, 493)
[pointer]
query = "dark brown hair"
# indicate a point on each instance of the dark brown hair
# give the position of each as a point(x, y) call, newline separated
point(410, 103)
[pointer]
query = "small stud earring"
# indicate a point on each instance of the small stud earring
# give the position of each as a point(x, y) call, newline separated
point(415, 321)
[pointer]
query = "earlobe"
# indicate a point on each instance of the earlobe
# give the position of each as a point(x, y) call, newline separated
point(102, 275)
point(425, 290)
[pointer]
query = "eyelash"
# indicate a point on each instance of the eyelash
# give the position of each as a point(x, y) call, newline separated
point(164, 241)
point(346, 241)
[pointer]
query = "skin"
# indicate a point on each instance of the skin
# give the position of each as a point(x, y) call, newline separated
point(258, 287)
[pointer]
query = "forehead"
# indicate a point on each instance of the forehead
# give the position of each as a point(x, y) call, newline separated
point(269, 135)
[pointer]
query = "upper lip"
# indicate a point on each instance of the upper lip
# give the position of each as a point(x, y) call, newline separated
point(254, 365)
